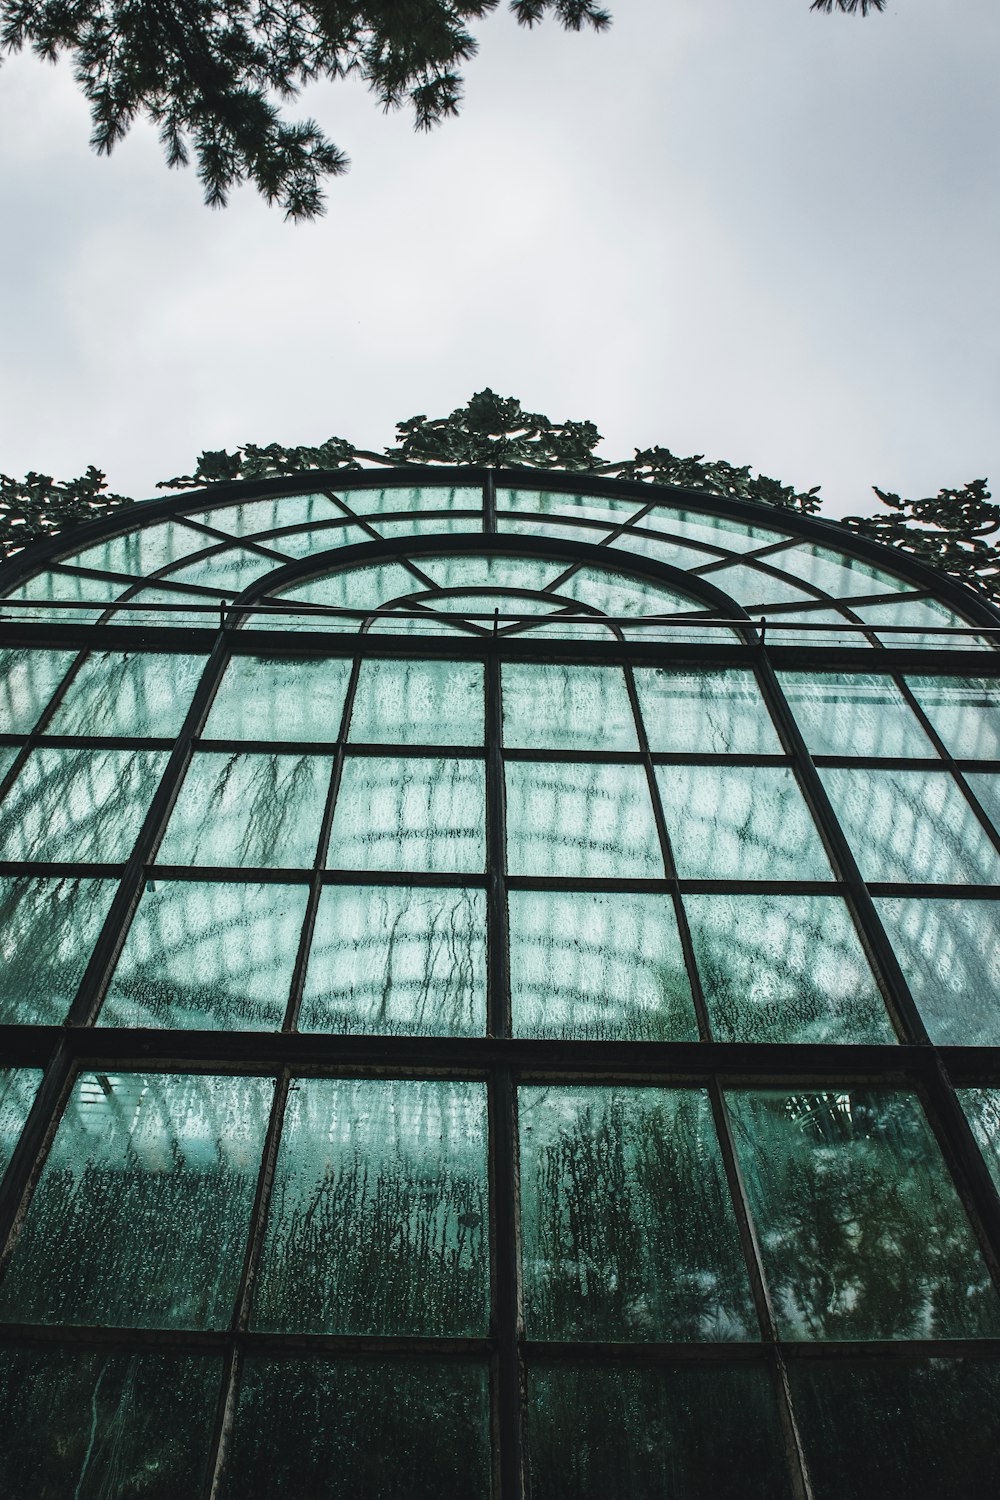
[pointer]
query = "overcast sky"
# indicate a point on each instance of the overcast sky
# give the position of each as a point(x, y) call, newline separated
point(728, 226)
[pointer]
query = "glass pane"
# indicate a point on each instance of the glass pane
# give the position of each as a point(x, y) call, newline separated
point(479, 571)
point(898, 1430)
point(556, 707)
point(418, 703)
point(795, 628)
point(316, 539)
point(598, 967)
point(232, 569)
point(352, 588)
point(949, 952)
point(265, 515)
point(27, 681)
point(784, 969)
point(752, 586)
point(554, 502)
point(705, 712)
point(350, 1431)
point(378, 1217)
point(854, 714)
point(861, 1231)
point(580, 820)
point(836, 573)
point(740, 823)
point(441, 525)
point(144, 550)
point(47, 931)
point(79, 804)
point(982, 1107)
point(140, 693)
point(208, 957)
point(410, 814)
point(93, 1424)
point(248, 810)
point(136, 1155)
point(397, 960)
point(717, 531)
point(675, 553)
point(60, 587)
point(986, 789)
point(687, 1431)
point(618, 594)
point(8, 755)
point(367, 502)
point(627, 1228)
point(920, 612)
point(18, 1087)
point(965, 711)
point(911, 825)
point(280, 699)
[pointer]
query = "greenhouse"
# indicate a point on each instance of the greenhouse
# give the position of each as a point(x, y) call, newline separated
point(501, 998)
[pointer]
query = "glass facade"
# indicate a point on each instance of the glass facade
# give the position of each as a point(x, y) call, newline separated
point(500, 998)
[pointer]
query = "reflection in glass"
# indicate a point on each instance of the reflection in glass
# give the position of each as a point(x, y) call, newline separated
point(912, 826)
point(135, 1156)
point(78, 804)
point(378, 1215)
point(93, 1424)
point(965, 711)
point(397, 960)
point(862, 1233)
point(208, 956)
point(247, 810)
point(47, 931)
point(557, 707)
point(705, 712)
point(585, 819)
point(344, 1430)
point(145, 549)
point(280, 698)
point(28, 679)
point(740, 823)
point(896, 1430)
point(627, 1228)
point(982, 1107)
point(708, 1432)
point(413, 813)
point(784, 969)
point(18, 1087)
point(949, 952)
point(854, 714)
point(418, 703)
point(137, 692)
point(598, 967)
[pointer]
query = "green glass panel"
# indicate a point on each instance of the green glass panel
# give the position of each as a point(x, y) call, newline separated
point(581, 530)
point(949, 952)
point(627, 1228)
point(965, 711)
point(316, 539)
point(351, 588)
point(136, 1156)
point(480, 571)
point(854, 714)
point(18, 1087)
point(418, 703)
point(740, 823)
point(986, 789)
point(47, 931)
point(911, 825)
point(716, 531)
point(8, 755)
point(835, 572)
point(397, 960)
point(862, 1233)
point(188, 608)
point(982, 1107)
point(441, 525)
point(378, 1215)
point(60, 588)
point(262, 698)
point(565, 819)
point(554, 502)
point(709, 712)
point(248, 810)
point(253, 516)
point(921, 612)
point(598, 967)
point(27, 681)
point(899, 1429)
point(92, 1424)
point(231, 569)
point(558, 707)
point(140, 693)
point(415, 1430)
point(673, 552)
point(751, 586)
point(207, 957)
point(144, 550)
point(688, 1431)
point(618, 594)
point(367, 502)
point(784, 969)
point(79, 804)
point(791, 628)
point(413, 813)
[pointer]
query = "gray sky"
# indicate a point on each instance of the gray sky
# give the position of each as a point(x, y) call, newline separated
point(728, 226)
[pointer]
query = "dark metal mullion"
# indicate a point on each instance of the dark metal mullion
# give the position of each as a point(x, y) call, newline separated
point(319, 863)
point(614, 531)
point(490, 503)
point(902, 1010)
point(226, 1409)
point(732, 556)
point(33, 739)
point(794, 1451)
point(98, 971)
point(964, 1159)
point(958, 774)
point(669, 865)
point(377, 536)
